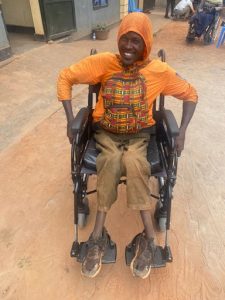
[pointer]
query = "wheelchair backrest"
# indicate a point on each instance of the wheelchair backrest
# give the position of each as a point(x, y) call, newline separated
point(93, 90)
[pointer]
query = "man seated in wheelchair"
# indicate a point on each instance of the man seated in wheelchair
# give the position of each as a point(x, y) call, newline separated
point(130, 82)
point(207, 14)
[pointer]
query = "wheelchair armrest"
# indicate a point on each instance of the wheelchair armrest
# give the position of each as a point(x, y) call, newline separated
point(80, 121)
point(169, 120)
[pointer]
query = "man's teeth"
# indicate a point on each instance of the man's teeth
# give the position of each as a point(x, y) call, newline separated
point(127, 54)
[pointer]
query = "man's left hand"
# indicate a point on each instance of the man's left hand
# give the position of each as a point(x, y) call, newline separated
point(179, 143)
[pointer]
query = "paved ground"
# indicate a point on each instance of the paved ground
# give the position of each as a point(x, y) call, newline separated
point(36, 230)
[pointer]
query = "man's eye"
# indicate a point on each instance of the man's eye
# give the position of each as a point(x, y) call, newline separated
point(123, 39)
point(136, 41)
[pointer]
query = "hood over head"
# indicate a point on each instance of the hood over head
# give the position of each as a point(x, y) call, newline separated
point(139, 23)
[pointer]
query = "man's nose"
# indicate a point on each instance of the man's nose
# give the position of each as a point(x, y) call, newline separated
point(128, 44)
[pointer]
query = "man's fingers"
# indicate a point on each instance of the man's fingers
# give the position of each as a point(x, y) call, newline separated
point(179, 149)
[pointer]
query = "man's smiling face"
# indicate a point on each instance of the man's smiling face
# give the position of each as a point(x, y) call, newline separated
point(131, 47)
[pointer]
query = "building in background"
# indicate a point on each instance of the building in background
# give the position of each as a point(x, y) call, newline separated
point(47, 20)
point(5, 49)
point(123, 8)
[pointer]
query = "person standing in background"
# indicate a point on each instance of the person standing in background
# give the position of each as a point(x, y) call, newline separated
point(170, 4)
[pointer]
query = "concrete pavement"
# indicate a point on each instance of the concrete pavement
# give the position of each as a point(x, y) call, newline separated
point(28, 81)
point(36, 199)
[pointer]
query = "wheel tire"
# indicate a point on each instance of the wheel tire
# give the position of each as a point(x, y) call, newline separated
point(160, 217)
point(162, 224)
point(83, 213)
point(82, 220)
point(190, 40)
point(207, 39)
point(86, 205)
point(191, 33)
point(157, 208)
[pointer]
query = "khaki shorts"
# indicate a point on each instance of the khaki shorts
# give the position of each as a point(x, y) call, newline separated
point(122, 155)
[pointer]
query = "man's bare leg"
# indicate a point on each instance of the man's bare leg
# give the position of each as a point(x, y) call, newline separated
point(99, 224)
point(147, 222)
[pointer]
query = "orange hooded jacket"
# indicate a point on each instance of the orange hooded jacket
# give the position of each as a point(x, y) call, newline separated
point(159, 77)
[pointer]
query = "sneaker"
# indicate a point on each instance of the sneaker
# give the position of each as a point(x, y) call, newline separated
point(143, 258)
point(92, 263)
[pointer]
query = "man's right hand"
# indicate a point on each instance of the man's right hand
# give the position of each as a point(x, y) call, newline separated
point(69, 115)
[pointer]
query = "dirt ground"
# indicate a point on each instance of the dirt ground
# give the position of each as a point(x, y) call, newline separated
point(36, 224)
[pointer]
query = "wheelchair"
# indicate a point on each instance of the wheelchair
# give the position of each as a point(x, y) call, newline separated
point(162, 156)
point(204, 23)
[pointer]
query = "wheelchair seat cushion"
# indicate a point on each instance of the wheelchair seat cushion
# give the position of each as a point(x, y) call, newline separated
point(90, 156)
point(153, 156)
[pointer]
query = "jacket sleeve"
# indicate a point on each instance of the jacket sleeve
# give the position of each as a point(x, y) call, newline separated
point(178, 87)
point(87, 71)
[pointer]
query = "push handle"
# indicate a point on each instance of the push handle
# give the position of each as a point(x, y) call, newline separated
point(162, 55)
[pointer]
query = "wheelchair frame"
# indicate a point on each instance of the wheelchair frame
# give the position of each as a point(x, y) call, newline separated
point(210, 32)
point(163, 140)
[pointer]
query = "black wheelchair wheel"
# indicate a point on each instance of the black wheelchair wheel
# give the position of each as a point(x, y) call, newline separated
point(210, 35)
point(160, 216)
point(83, 213)
point(207, 38)
point(162, 224)
point(191, 33)
point(82, 220)
point(190, 40)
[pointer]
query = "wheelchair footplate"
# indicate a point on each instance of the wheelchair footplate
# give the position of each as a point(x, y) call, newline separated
point(161, 255)
point(109, 255)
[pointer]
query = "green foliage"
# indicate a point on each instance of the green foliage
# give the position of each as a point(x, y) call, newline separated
point(100, 27)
